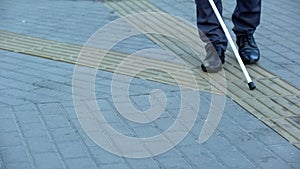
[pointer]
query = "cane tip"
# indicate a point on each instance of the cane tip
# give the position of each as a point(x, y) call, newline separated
point(251, 86)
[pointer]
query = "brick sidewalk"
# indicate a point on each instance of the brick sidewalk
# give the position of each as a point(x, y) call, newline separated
point(40, 129)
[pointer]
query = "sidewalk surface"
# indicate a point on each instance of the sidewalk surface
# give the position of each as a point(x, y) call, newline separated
point(40, 127)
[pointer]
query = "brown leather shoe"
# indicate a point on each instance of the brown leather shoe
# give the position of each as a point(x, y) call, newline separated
point(214, 58)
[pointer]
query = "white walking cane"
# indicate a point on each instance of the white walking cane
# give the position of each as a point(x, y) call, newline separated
point(235, 51)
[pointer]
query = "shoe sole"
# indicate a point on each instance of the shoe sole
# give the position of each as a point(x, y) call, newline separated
point(214, 70)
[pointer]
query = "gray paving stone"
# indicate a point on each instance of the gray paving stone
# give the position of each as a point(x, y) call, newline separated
point(13, 83)
point(67, 103)
point(103, 157)
point(58, 78)
point(79, 163)
point(23, 165)
point(9, 66)
point(29, 107)
point(61, 65)
point(3, 87)
point(3, 51)
point(8, 125)
point(11, 100)
point(229, 155)
point(1, 161)
point(20, 59)
point(19, 76)
point(294, 69)
point(71, 112)
point(123, 129)
point(164, 122)
point(294, 80)
point(104, 105)
point(287, 153)
point(272, 162)
point(27, 95)
point(134, 44)
point(10, 139)
point(64, 96)
point(268, 137)
point(14, 154)
point(261, 134)
point(63, 134)
point(264, 157)
point(141, 102)
point(32, 68)
point(51, 108)
point(72, 149)
point(59, 71)
point(57, 17)
point(200, 157)
point(31, 72)
point(33, 130)
point(236, 113)
point(56, 121)
point(30, 116)
point(85, 138)
point(113, 166)
point(40, 144)
point(147, 163)
point(146, 131)
point(48, 160)
point(295, 165)
point(49, 92)
point(137, 89)
point(174, 163)
point(5, 112)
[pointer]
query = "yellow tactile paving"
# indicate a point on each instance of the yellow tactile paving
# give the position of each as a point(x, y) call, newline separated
point(275, 102)
point(69, 53)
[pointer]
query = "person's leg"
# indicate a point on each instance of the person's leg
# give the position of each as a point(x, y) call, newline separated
point(211, 33)
point(246, 18)
point(208, 23)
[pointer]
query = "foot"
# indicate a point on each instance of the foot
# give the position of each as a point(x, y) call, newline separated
point(248, 49)
point(214, 59)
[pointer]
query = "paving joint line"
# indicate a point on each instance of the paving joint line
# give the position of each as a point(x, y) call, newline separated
point(274, 87)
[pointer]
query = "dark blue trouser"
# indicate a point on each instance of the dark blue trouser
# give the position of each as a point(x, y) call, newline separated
point(246, 18)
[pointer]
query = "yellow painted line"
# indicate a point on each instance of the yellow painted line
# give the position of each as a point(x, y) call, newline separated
point(275, 102)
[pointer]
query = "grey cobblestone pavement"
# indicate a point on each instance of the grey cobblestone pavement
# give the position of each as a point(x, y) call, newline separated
point(39, 128)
